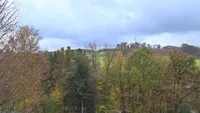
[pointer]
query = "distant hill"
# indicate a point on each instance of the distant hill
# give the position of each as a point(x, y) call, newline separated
point(156, 49)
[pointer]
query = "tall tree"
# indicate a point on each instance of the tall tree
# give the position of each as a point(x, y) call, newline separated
point(78, 94)
point(104, 78)
point(8, 17)
point(144, 81)
point(182, 76)
point(26, 69)
point(119, 80)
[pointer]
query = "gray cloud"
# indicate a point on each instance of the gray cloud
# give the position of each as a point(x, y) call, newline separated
point(79, 22)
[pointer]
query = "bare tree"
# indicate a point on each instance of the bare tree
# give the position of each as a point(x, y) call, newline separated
point(92, 46)
point(21, 65)
point(22, 69)
point(26, 39)
point(8, 23)
point(8, 17)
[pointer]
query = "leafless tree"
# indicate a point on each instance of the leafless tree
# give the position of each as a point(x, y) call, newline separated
point(8, 17)
point(21, 65)
point(8, 23)
point(92, 46)
point(22, 68)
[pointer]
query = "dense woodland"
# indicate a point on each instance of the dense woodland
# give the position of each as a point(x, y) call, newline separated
point(138, 83)
point(128, 78)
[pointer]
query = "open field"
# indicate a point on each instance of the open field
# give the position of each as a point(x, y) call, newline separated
point(198, 62)
point(100, 57)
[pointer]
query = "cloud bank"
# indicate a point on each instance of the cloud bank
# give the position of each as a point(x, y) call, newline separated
point(77, 22)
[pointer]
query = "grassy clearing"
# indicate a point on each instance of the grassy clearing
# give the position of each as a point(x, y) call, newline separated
point(101, 54)
point(198, 62)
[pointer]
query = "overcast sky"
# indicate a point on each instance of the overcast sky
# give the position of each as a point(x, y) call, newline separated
point(78, 22)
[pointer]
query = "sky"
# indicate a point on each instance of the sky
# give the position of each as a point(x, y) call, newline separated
point(76, 23)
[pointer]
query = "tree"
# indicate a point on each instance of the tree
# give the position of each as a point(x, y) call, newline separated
point(78, 94)
point(25, 39)
point(143, 82)
point(143, 45)
point(104, 77)
point(119, 80)
point(8, 17)
point(125, 48)
point(182, 76)
point(60, 66)
point(25, 70)
point(149, 46)
point(184, 108)
point(177, 83)
point(94, 58)
point(27, 77)
point(159, 46)
point(93, 48)
point(137, 45)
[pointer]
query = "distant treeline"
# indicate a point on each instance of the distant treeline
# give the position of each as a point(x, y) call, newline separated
point(156, 49)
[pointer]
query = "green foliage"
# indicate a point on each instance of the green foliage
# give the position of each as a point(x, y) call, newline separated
point(179, 80)
point(181, 62)
point(139, 83)
point(141, 60)
point(145, 75)
point(50, 105)
point(184, 108)
point(102, 109)
point(198, 62)
point(78, 85)
point(60, 62)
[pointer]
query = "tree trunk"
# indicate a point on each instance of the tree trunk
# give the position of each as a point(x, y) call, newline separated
point(24, 105)
point(81, 106)
point(123, 110)
point(14, 109)
point(176, 108)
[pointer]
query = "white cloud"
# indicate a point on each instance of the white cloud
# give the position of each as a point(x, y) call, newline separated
point(52, 44)
point(173, 38)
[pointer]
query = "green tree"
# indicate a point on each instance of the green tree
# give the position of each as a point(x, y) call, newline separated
point(144, 69)
point(53, 86)
point(184, 108)
point(78, 96)
point(119, 81)
point(181, 79)
point(177, 83)
point(104, 83)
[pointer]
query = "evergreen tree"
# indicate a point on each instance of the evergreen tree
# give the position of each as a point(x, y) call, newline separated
point(78, 96)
